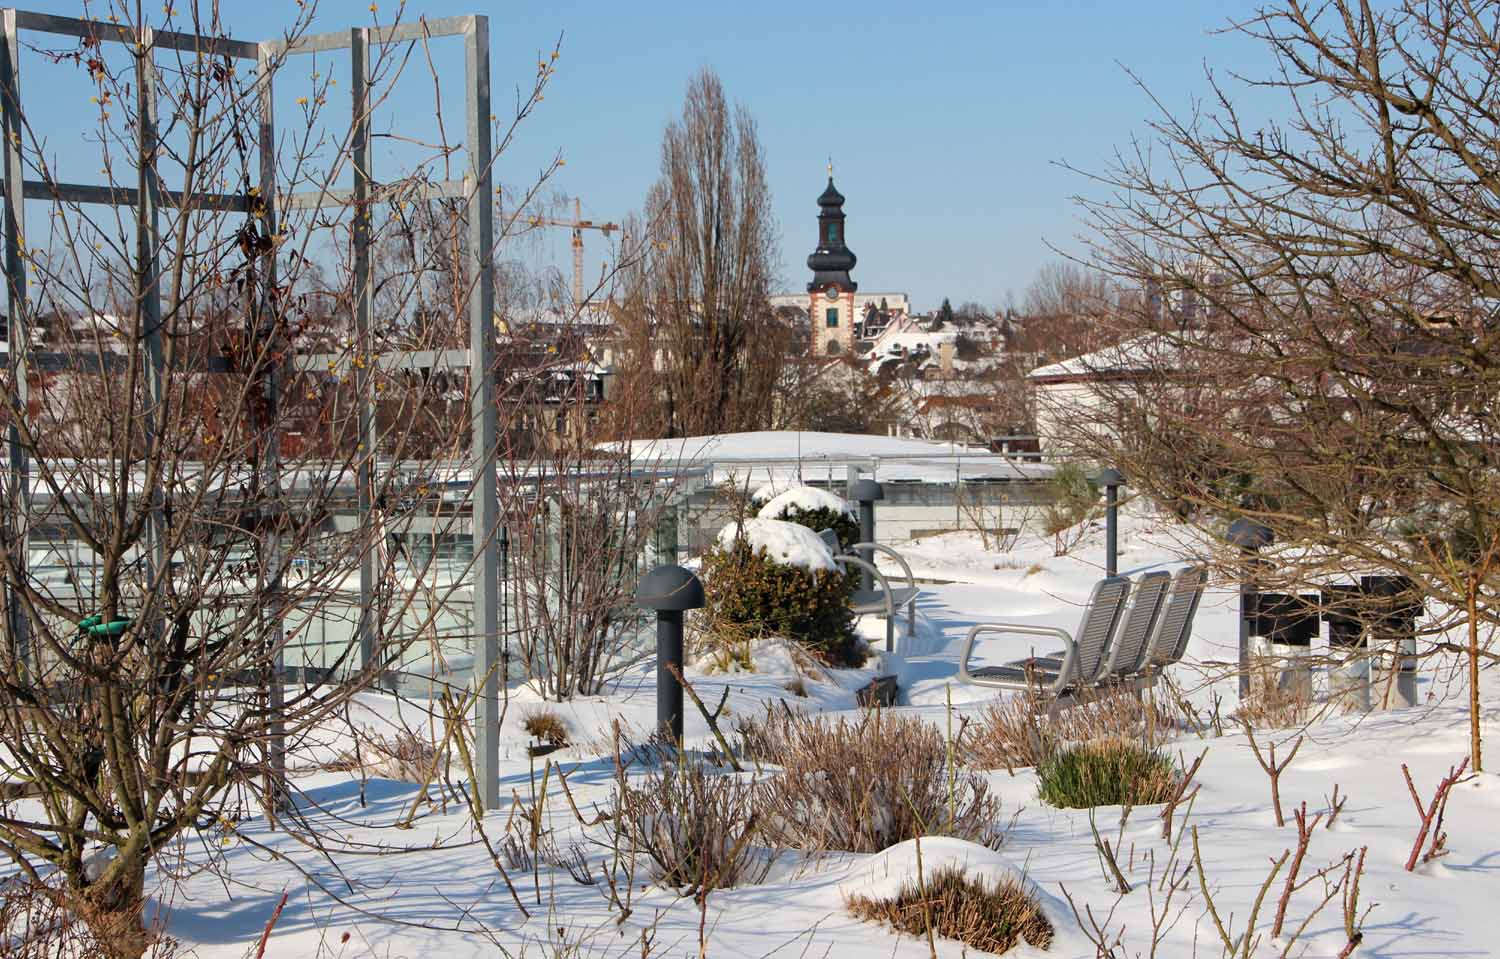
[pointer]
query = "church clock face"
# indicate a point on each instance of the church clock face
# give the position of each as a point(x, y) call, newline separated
point(832, 292)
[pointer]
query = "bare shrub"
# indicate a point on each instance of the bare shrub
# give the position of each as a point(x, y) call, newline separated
point(990, 915)
point(867, 784)
point(1267, 705)
point(698, 827)
point(404, 756)
point(547, 726)
point(41, 920)
point(1018, 731)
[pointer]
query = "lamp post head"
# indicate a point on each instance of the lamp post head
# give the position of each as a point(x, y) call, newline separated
point(866, 491)
point(1249, 534)
point(1109, 476)
point(669, 589)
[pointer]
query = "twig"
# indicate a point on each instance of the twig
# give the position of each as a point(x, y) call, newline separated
point(1273, 769)
point(1304, 837)
point(1432, 818)
point(1336, 806)
point(260, 951)
point(711, 718)
point(1169, 810)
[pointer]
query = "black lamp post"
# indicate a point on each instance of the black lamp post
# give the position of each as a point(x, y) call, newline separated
point(1111, 479)
point(670, 591)
point(866, 492)
point(1251, 537)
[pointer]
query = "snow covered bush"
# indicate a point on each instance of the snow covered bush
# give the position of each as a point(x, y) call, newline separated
point(697, 826)
point(989, 915)
point(1105, 773)
point(816, 509)
point(867, 784)
point(766, 577)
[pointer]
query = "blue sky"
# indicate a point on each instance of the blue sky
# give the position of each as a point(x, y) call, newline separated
point(945, 121)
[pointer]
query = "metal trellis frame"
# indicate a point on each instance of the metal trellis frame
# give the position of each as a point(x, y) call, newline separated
point(149, 196)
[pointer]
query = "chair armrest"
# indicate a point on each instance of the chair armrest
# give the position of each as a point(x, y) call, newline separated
point(905, 567)
point(885, 591)
point(1064, 673)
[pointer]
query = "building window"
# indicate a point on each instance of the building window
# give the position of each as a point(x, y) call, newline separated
point(831, 318)
point(833, 233)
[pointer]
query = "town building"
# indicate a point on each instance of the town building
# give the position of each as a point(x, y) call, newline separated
point(834, 306)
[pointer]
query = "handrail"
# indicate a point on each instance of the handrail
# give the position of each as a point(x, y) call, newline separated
point(885, 590)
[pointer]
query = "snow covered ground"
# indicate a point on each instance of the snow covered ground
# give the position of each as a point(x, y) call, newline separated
point(432, 889)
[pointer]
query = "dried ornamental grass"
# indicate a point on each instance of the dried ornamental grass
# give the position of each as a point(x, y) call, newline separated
point(1018, 732)
point(865, 785)
point(988, 915)
point(546, 726)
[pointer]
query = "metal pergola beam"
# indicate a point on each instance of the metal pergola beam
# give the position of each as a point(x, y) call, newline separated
point(402, 360)
point(129, 196)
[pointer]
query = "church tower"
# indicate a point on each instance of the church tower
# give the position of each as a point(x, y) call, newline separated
point(831, 292)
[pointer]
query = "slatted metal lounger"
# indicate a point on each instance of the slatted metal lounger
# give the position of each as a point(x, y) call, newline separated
point(1080, 656)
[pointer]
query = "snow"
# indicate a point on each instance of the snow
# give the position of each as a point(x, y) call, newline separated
point(433, 889)
point(787, 543)
point(784, 458)
point(1139, 354)
point(806, 498)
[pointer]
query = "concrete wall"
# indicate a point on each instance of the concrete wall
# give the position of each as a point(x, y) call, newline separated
point(909, 509)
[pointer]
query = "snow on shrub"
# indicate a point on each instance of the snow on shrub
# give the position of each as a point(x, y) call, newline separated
point(766, 577)
point(816, 509)
point(697, 826)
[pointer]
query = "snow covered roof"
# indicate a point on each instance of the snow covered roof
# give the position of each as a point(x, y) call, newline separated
point(786, 457)
point(1139, 354)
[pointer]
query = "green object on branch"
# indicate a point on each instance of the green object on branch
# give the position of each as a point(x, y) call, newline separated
point(95, 626)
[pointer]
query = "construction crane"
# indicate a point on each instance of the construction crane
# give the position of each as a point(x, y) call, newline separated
point(578, 224)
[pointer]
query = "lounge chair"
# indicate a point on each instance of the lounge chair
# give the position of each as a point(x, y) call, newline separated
point(1138, 629)
point(1079, 660)
point(1175, 625)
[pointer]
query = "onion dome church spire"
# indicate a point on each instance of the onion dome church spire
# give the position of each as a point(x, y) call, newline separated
point(832, 260)
point(831, 292)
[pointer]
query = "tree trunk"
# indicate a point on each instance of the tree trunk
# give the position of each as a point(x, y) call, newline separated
point(112, 908)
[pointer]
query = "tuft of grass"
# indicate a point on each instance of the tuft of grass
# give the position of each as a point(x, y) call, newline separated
point(545, 725)
point(987, 915)
point(797, 686)
point(1105, 773)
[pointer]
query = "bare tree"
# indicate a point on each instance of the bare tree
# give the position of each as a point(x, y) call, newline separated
point(171, 558)
point(699, 334)
point(1320, 319)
